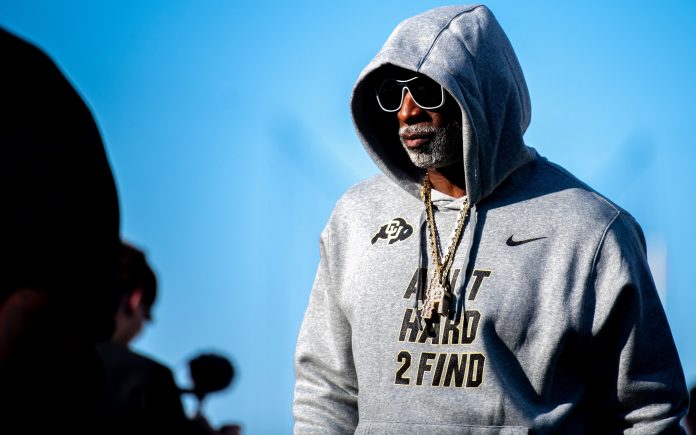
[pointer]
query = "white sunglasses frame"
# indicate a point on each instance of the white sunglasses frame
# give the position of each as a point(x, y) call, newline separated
point(403, 93)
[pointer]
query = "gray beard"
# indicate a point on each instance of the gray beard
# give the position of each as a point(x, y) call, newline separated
point(444, 149)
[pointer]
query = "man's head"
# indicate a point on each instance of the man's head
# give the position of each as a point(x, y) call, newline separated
point(137, 287)
point(429, 118)
point(463, 49)
point(59, 228)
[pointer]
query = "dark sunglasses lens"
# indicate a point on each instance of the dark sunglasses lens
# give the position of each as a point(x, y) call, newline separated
point(426, 92)
point(389, 94)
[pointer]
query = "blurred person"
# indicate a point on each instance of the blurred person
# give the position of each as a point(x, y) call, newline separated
point(141, 395)
point(59, 238)
point(475, 287)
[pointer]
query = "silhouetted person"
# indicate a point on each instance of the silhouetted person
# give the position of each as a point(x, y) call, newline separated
point(141, 395)
point(59, 238)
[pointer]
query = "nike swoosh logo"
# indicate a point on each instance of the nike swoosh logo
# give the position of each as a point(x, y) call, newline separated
point(511, 242)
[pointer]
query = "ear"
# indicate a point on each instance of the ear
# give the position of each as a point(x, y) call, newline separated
point(134, 300)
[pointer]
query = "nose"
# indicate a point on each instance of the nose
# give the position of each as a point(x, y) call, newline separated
point(409, 111)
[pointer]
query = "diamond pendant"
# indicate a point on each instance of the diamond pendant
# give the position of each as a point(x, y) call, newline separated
point(438, 300)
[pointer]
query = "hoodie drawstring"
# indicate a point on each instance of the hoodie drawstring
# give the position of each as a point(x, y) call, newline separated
point(421, 266)
point(460, 293)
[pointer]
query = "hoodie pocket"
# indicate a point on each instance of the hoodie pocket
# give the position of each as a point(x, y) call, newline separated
point(386, 428)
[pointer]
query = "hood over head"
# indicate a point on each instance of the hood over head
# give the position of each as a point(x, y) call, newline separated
point(464, 49)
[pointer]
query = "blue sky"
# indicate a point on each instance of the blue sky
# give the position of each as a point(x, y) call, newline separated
point(228, 129)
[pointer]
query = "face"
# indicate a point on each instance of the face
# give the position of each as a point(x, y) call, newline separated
point(136, 321)
point(131, 317)
point(432, 138)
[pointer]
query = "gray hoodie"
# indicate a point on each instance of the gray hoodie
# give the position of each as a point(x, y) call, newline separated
point(555, 325)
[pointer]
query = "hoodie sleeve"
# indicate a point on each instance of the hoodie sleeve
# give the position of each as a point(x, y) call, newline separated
point(326, 387)
point(637, 379)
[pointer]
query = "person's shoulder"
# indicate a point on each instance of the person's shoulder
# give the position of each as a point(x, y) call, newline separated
point(375, 187)
point(548, 192)
point(367, 198)
point(578, 195)
point(120, 357)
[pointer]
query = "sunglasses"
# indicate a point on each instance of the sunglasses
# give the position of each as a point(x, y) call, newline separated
point(425, 93)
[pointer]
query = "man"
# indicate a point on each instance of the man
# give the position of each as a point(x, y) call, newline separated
point(476, 287)
point(59, 236)
point(141, 395)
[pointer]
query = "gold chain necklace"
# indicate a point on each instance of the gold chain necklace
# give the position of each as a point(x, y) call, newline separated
point(438, 295)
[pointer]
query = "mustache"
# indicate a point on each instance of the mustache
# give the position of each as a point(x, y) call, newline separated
point(419, 129)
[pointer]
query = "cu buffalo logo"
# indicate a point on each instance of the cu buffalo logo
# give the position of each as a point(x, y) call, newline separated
point(394, 231)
